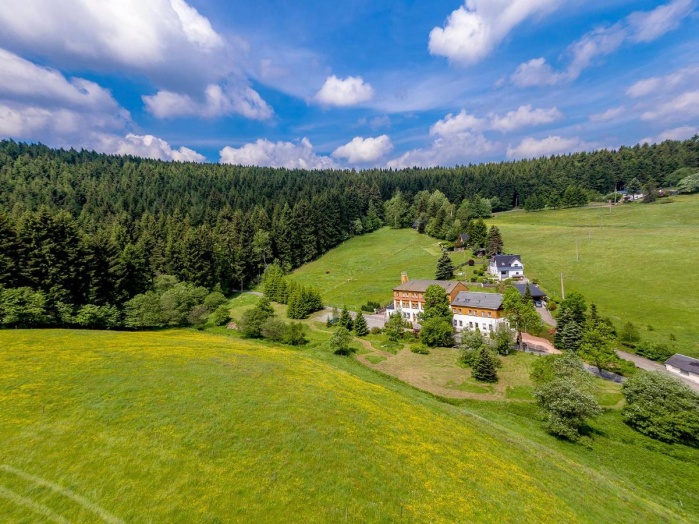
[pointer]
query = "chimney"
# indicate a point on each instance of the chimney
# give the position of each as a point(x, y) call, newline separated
point(403, 277)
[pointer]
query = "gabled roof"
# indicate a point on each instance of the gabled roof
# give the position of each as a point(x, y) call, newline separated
point(479, 300)
point(533, 289)
point(684, 363)
point(505, 260)
point(420, 286)
point(463, 237)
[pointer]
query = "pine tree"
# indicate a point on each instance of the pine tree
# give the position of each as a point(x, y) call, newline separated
point(571, 336)
point(445, 268)
point(360, 325)
point(494, 244)
point(484, 368)
point(346, 319)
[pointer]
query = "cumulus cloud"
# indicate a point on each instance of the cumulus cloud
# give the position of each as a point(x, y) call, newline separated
point(452, 124)
point(290, 155)
point(648, 86)
point(524, 116)
point(678, 133)
point(362, 150)
point(217, 102)
point(344, 92)
point(447, 151)
point(129, 32)
point(640, 26)
point(146, 146)
point(477, 27)
point(551, 145)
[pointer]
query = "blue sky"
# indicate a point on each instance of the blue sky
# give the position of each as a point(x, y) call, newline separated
point(356, 83)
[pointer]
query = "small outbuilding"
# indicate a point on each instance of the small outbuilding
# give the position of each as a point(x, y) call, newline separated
point(684, 366)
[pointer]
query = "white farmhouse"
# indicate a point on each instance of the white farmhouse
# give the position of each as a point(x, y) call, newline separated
point(478, 311)
point(503, 267)
point(686, 367)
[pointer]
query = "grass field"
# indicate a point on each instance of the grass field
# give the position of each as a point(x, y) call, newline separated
point(183, 426)
point(637, 264)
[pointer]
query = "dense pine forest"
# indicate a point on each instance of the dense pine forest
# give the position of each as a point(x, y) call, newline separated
point(79, 229)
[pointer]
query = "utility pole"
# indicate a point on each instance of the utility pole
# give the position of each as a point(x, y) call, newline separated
point(563, 293)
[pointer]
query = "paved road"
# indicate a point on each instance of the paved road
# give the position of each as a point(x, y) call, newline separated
point(546, 316)
point(650, 365)
point(371, 320)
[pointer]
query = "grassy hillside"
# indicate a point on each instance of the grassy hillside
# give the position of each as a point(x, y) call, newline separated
point(638, 263)
point(180, 426)
point(368, 267)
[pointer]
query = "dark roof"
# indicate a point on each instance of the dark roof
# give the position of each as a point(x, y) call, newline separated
point(505, 260)
point(463, 237)
point(533, 289)
point(422, 285)
point(683, 363)
point(479, 300)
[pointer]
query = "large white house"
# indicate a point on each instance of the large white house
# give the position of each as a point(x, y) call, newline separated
point(503, 267)
point(478, 311)
point(686, 367)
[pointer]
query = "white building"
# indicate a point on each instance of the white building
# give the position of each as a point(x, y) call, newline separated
point(685, 367)
point(503, 267)
point(478, 311)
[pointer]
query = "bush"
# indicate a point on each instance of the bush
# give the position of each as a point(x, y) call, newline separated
point(221, 315)
point(657, 352)
point(370, 306)
point(471, 262)
point(340, 342)
point(689, 184)
point(375, 330)
point(437, 332)
point(273, 329)
point(214, 300)
point(552, 306)
point(23, 307)
point(629, 334)
point(420, 350)
point(662, 408)
point(294, 335)
point(197, 316)
point(98, 317)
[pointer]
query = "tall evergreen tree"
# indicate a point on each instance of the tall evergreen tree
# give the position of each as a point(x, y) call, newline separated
point(494, 244)
point(484, 368)
point(445, 267)
point(360, 325)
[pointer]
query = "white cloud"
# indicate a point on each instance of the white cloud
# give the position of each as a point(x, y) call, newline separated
point(640, 26)
point(344, 92)
point(609, 114)
point(454, 124)
point(678, 133)
point(648, 26)
point(362, 150)
point(551, 145)
point(683, 106)
point(23, 80)
point(217, 102)
point(146, 146)
point(473, 30)
point(536, 72)
point(276, 154)
point(524, 116)
point(447, 151)
point(129, 32)
point(683, 77)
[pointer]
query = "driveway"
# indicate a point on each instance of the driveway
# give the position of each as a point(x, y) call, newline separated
point(545, 315)
point(650, 365)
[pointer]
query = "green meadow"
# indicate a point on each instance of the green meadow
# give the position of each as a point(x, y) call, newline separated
point(187, 426)
point(637, 263)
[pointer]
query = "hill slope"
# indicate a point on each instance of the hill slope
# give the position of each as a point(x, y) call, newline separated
point(182, 426)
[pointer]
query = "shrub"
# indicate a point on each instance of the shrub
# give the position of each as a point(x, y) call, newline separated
point(197, 316)
point(97, 317)
point(273, 329)
point(340, 342)
point(375, 330)
point(420, 350)
point(657, 352)
point(437, 332)
point(214, 300)
point(629, 334)
point(662, 408)
point(23, 307)
point(552, 306)
point(370, 307)
point(294, 334)
point(221, 315)
point(471, 262)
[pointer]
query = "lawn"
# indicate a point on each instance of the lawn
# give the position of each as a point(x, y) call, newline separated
point(368, 267)
point(637, 264)
point(186, 426)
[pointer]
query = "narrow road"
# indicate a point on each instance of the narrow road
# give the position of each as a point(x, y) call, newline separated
point(545, 315)
point(650, 365)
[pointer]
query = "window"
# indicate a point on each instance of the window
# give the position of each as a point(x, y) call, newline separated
point(490, 327)
point(454, 322)
point(483, 313)
point(461, 323)
point(470, 324)
point(489, 314)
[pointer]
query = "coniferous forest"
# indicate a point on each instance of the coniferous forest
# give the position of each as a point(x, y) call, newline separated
point(83, 233)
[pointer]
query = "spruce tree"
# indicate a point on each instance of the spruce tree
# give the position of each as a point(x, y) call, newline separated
point(346, 319)
point(494, 244)
point(360, 325)
point(445, 268)
point(484, 367)
point(571, 336)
